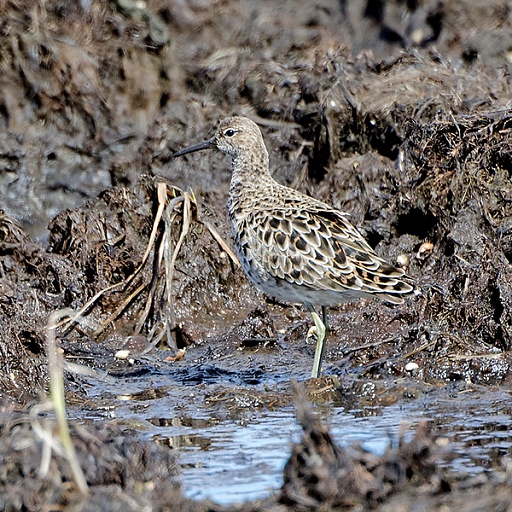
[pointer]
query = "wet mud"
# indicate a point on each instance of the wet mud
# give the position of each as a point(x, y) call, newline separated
point(396, 112)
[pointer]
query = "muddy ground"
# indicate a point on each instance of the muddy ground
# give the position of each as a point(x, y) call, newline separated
point(397, 112)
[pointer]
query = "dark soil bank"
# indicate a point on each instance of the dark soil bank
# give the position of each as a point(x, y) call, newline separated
point(396, 112)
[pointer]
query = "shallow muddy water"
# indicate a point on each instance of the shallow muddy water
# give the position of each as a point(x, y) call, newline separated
point(237, 452)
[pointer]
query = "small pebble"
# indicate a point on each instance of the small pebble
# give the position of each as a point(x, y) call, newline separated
point(425, 250)
point(410, 367)
point(122, 354)
point(403, 261)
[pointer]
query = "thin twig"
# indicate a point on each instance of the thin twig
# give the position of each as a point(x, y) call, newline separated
point(161, 195)
point(351, 350)
point(225, 247)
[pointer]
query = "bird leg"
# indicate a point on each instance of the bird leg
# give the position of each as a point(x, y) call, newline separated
point(322, 330)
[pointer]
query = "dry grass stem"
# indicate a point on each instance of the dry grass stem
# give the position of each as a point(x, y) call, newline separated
point(61, 444)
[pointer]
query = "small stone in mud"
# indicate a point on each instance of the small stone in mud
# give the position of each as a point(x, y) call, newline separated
point(425, 250)
point(411, 367)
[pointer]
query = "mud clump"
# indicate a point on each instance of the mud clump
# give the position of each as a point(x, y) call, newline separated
point(120, 471)
point(424, 161)
point(319, 473)
point(30, 282)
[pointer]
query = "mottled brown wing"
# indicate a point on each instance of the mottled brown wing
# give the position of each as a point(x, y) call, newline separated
point(370, 273)
point(321, 250)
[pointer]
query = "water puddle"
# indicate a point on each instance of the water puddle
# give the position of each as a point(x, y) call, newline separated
point(232, 458)
point(240, 462)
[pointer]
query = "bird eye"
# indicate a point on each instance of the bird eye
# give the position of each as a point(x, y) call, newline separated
point(229, 132)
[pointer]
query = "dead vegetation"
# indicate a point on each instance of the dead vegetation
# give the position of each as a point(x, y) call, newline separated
point(319, 473)
point(122, 473)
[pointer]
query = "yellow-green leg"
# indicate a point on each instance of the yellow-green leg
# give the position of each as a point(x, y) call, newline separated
point(322, 330)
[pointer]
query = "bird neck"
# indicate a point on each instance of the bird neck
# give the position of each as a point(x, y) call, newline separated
point(250, 166)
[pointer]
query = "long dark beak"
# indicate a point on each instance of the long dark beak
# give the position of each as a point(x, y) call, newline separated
point(198, 147)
